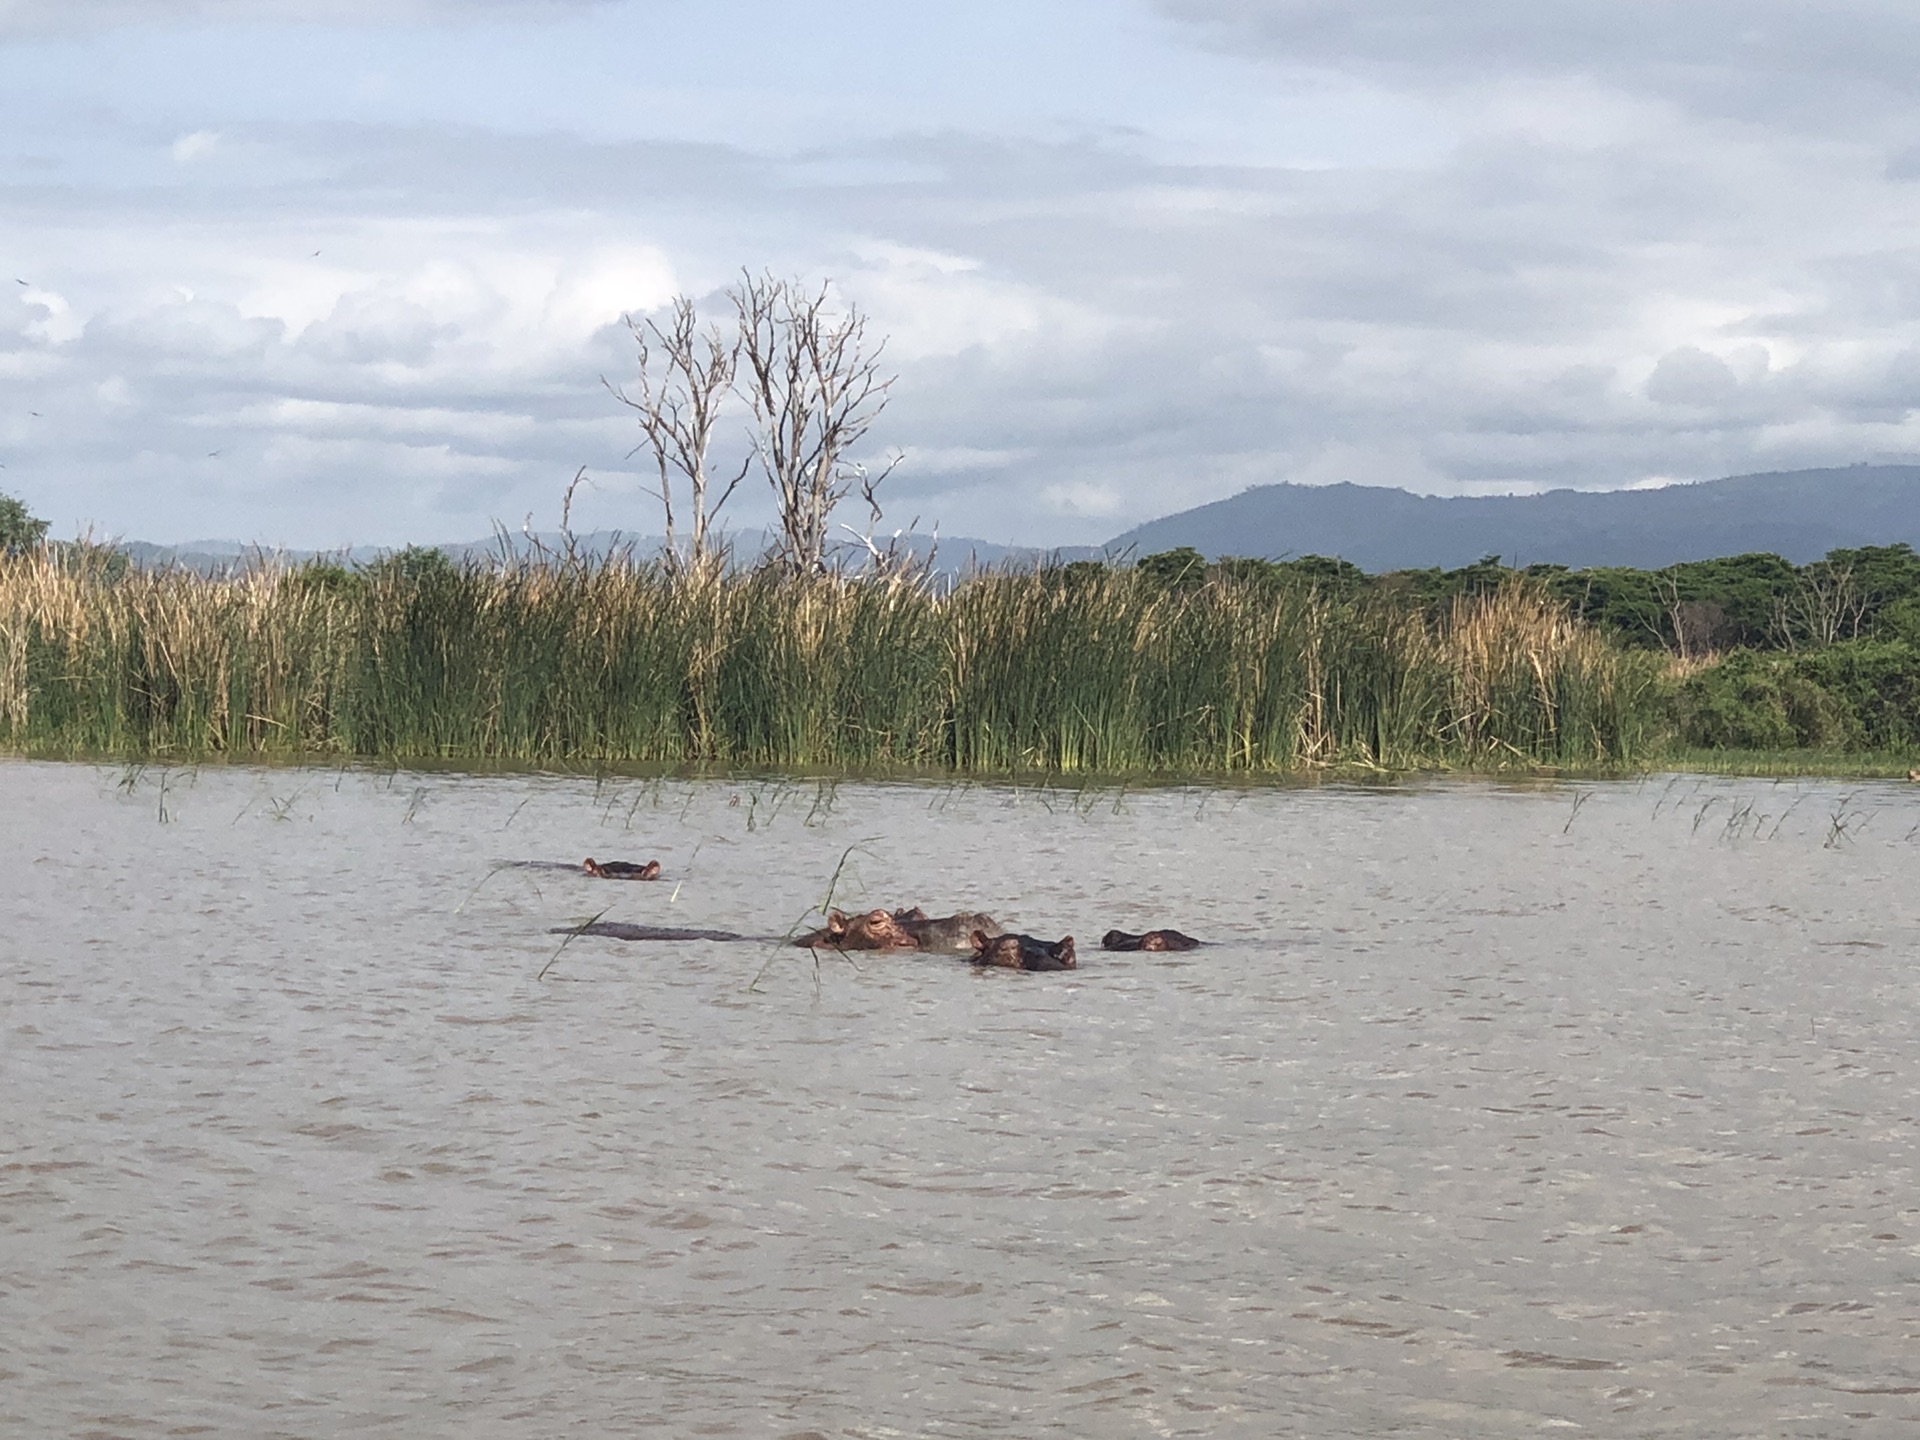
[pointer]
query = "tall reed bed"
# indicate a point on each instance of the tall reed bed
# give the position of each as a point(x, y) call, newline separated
point(1082, 669)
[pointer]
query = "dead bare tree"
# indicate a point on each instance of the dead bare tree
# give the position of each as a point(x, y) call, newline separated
point(1698, 625)
point(1694, 624)
point(1825, 605)
point(814, 385)
point(685, 374)
point(1666, 589)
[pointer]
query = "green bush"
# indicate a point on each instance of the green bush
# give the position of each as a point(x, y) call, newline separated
point(1876, 682)
point(327, 577)
point(1735, 705)
point(1858, 695)
point(1901, 621)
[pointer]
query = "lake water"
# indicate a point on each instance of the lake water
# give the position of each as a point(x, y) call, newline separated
point(1490, 1111)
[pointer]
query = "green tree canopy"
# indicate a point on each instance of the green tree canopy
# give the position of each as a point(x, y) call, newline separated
point(1179, 568)
point(19, 530)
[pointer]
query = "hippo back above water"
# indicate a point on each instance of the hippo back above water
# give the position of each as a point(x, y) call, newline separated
point(948, 935)
point(620, 930)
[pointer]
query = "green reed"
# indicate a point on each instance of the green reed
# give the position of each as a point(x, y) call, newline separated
point(1074, 670)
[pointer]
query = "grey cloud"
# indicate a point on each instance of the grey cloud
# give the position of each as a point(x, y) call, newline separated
point(1759, 58)
point(1690, 376)
point(1123, 336)
point(1891, 395)
point(361, 331)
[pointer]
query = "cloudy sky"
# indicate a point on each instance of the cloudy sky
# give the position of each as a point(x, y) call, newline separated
point(315, 272)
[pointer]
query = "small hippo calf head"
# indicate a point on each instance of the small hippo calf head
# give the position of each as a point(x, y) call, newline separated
point(1152, 940)
point(620, 869)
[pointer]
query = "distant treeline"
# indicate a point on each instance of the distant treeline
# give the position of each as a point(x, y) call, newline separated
point(1754, 602)
point(1768, 655)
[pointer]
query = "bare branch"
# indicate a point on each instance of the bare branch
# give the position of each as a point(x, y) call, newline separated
point(814, 386)
point(682, 379)
point(566, 514)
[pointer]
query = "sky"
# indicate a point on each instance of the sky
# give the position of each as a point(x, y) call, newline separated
point(325, 272)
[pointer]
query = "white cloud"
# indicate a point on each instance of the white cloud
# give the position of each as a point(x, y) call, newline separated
point(1082, 499)
point(934, 304)
point(57, 324)
point(196, 145)
point(961, 459)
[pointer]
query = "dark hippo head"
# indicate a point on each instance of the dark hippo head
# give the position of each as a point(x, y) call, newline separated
point(1023, 952)
point(1152, 940)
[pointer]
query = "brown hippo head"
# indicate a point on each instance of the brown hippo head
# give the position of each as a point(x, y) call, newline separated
point(875, 930)
point(620, 869)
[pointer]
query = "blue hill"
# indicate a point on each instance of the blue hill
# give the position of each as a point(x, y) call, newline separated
point(1800, 514)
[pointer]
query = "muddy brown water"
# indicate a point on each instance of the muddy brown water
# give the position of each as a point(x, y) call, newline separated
point(1489, 1112)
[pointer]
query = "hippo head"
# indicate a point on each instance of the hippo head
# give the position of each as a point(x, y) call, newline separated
point(1023, 952)
point(875, 930)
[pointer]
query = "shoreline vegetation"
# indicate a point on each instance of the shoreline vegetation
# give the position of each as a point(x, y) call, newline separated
point(1171, 668)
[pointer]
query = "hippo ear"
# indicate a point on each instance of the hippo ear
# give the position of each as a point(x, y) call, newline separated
point(979, 942)
point(836, 922)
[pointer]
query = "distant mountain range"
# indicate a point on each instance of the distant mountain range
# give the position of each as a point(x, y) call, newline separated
point(952, 555)
point(1800, 514)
